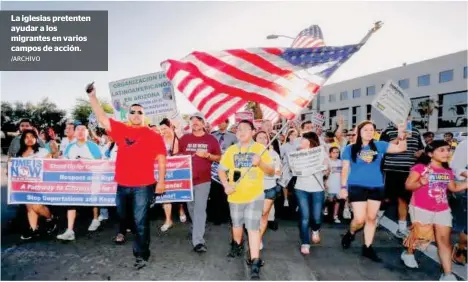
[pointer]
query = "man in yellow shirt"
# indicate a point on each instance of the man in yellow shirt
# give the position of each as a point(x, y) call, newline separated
point(241, 172)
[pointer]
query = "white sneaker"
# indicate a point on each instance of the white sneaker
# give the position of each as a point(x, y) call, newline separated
point(409, 260)
point(402, 234)
point(346, 214)
point(337, 220)
point(325, 212)
point(68, 235)
point(286, 203)
point(183, 218)
point(448, 277)
point(102, 218)
point(94, 225)
point(261, 245)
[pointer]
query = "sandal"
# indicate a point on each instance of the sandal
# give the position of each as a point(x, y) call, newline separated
point(119, 239)
point(166, 227)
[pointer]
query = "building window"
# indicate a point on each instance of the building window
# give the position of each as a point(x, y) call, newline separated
point(344, 95)
point(464, 72)
point(321, 100)
point(331, 98)
point(357, 93)
point(424, 80)
point(332, 117)
point(418, 116)
point(453, 110)
point(403, 83)
point(356, 115)
point(370, 90)
point(445, 76)
point(368, 112)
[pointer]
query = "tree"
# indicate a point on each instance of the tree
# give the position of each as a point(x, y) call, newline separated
point(255, 108)
point(426, 109)
point(82, 109)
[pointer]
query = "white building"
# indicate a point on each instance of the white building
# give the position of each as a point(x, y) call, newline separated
point(443, 79)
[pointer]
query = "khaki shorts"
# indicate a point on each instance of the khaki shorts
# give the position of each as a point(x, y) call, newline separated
point(429, 217)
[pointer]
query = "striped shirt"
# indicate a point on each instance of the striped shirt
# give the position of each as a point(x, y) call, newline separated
point(401, 162)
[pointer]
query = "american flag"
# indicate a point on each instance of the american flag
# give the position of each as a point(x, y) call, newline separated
point(309, 37)
point(283, 80)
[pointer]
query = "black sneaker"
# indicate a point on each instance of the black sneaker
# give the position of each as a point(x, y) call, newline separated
point(29, 234)
point(255, 269)
point(250, 261)
point(200, 248)
point(50, 225)
point(369, 252)
point(236, 250)
point(140, 263)
point(347, 239)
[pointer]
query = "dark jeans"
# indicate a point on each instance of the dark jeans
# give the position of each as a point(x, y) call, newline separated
point(140, 199)
point(310, 205)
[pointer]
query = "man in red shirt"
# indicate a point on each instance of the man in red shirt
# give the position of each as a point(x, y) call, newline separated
point(205, 150)
point(138, 147)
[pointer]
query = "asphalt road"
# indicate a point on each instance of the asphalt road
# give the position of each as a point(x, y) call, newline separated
point(93, 256)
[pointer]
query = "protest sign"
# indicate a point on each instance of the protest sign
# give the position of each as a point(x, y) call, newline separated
point(393, 103)
point(258, 123)
point(153, 91)
point(307, 162)
point(318, 119)
point(243, 115)
point(85, 182)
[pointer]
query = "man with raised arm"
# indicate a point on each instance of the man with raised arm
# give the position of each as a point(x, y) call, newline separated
point(138, 146)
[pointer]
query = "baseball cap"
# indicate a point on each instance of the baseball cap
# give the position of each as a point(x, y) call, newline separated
point(197, 115)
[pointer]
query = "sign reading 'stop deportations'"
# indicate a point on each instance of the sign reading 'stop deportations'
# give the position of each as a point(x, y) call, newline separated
point(153, 91)
point(307, 162)
point(393, 103)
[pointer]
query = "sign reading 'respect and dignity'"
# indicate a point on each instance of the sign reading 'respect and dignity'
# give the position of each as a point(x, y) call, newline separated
point(393, 103)
point(307, 162)
point(86, 182)
point(153, 91)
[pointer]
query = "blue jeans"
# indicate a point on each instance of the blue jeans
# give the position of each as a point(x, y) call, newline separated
point(140, 199)
point(310, 205)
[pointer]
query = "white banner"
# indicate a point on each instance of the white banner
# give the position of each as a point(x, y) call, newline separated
point(393, 103)
point(307, 162)
point(153, 91)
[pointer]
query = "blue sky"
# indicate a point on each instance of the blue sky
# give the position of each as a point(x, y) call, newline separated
point(142, 34)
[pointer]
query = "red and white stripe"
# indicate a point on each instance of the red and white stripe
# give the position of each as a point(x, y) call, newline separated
point(221, 83)
point(307, 42)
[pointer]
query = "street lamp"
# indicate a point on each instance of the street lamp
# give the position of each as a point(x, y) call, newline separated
point(276, 36)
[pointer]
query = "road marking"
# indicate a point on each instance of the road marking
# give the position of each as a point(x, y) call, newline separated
point(431, 251)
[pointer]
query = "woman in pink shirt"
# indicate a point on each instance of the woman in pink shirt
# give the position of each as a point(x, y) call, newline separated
point(429, 210)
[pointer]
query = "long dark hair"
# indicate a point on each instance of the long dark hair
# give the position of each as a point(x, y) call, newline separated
point(356, 147)
point(313, 139)
point(23, 146)
point(425, 159)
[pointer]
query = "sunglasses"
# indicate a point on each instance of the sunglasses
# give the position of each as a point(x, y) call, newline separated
point(136, 112)
point(351, 135)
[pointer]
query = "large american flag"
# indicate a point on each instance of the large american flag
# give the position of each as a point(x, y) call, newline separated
point(283, 80)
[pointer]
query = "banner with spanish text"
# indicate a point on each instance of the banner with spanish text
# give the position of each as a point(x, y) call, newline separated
point(86, 182)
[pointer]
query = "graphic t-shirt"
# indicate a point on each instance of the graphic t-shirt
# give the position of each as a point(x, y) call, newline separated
point(334, 179)
point(86, 151)
point(189, 144)
point(433, 196)
point(365, 172)
point(239, 159)
point(138, 148)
